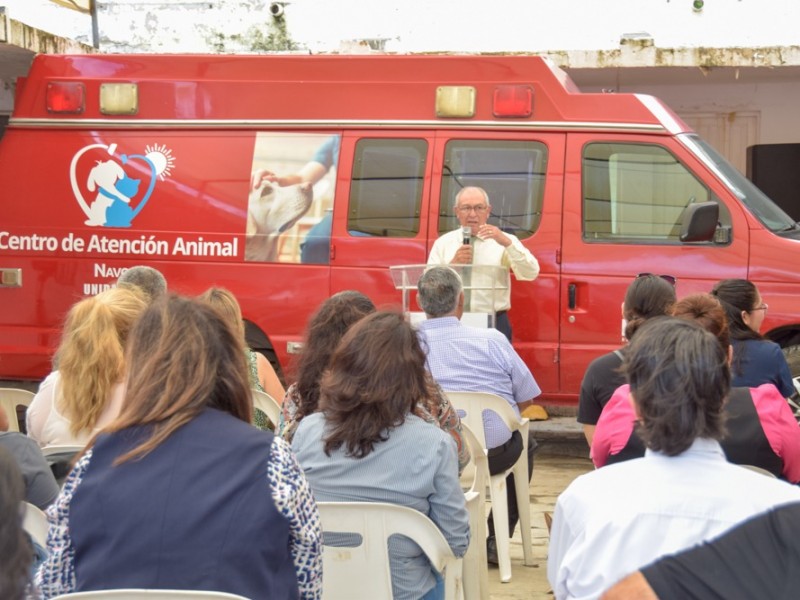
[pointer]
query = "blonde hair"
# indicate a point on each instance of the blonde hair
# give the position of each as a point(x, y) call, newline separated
point(90, 358)
point(226, 304)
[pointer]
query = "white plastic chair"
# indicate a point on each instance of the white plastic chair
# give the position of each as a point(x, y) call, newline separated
point(759, 470)
point(10, 398)
point(35, 523)
point(266, 403)
point(473, 404)
point(136, 594)
point(473, 479)
point(362, 572)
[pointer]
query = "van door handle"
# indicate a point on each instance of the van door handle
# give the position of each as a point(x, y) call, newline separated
point(572, 294)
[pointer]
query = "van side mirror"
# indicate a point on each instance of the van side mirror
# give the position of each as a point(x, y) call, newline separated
point(699, 222)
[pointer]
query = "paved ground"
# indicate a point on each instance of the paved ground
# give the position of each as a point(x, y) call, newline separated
point(562, 456)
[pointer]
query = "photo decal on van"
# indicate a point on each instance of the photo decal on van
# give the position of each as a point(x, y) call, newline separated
point(290, 201)
point(112, 189)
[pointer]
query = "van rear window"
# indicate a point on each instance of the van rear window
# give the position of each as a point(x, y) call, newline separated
point(511, 172)
point(386, 188)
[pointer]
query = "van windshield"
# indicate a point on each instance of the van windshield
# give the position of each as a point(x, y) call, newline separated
point(764, 209)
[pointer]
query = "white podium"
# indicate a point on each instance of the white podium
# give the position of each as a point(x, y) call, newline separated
point(481, 284)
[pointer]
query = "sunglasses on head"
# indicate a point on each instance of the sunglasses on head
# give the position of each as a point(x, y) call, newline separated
point(668, 278)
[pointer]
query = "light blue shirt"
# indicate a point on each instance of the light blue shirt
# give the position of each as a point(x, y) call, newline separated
point(416, 466)
point(469, 359)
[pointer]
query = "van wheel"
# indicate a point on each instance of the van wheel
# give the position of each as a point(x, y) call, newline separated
point(273, 360)
point(792, 355)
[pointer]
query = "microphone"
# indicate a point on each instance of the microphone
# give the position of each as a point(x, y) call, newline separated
point(467, 233)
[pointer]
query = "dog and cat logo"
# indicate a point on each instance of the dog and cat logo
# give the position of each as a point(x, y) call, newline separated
point(117, 187)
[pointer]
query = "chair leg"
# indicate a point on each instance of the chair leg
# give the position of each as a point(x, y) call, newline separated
point(500, 518)
point(522, 487)
point(472, 558)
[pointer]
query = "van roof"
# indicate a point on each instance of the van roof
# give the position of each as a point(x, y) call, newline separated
point(243, 90)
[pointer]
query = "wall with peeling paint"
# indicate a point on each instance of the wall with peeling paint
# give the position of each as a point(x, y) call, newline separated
point(432, 25)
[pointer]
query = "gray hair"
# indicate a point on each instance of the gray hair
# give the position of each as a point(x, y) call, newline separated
point(438, 291)
point(147, 279)
point(472, 187)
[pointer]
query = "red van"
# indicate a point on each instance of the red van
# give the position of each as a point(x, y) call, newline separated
point(113, 161)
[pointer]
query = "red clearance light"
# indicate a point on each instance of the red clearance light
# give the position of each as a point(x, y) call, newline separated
point(513, 101)
point(66, 97)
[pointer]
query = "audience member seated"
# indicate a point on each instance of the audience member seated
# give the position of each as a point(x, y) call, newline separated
point(367, 445)
point(761, 429)
point(40, 484)
point(86, 391)
point(468, 359)
point(757, 559)
point(611, 521)
point(16, 549)
point(181, 492)
point(145, 279)
point(262, 375)
point(325, 330)
point(647, 296)
point(756, 360)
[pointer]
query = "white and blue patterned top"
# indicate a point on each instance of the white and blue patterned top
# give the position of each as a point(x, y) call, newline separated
point(290, 493)
point(469, 359)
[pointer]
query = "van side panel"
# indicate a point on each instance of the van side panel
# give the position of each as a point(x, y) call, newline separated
point(190, 222)
point(624, 197)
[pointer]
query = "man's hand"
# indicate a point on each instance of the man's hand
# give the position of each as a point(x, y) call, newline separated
point(463, 256)
point(486, 232)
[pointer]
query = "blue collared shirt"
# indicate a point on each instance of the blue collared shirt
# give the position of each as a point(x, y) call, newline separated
point(469, 359)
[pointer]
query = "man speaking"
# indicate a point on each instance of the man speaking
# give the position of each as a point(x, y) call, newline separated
point(478, 243)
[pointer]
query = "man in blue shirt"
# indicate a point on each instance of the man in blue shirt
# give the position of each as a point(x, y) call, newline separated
point(469, 359)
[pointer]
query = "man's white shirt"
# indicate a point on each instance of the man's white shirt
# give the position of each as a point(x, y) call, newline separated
point(488, 252)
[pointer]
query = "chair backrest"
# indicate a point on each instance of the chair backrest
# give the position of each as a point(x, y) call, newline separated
point(136, 594)
point(266, 403)
point(35, 523)
point(759, 470)
point(363, 571)
point(10, 398)
point(471, 406)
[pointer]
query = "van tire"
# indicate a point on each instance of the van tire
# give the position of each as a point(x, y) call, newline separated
point(792, 355)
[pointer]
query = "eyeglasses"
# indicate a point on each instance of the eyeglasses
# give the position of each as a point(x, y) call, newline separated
point(478, 208)
point(764, 306)
point(668, 278)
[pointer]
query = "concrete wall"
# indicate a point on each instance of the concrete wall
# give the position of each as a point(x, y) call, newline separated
point(776, 103)
point(426, 25)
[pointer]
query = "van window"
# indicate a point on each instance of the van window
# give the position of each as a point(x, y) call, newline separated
point(637, 192)
point(512, 173)
point(386, 188)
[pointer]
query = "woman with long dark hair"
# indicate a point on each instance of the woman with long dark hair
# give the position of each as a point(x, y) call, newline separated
point(756, 360)
point(647, 296)
point(366, 444)
point(181, 492)
point(326, 329)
